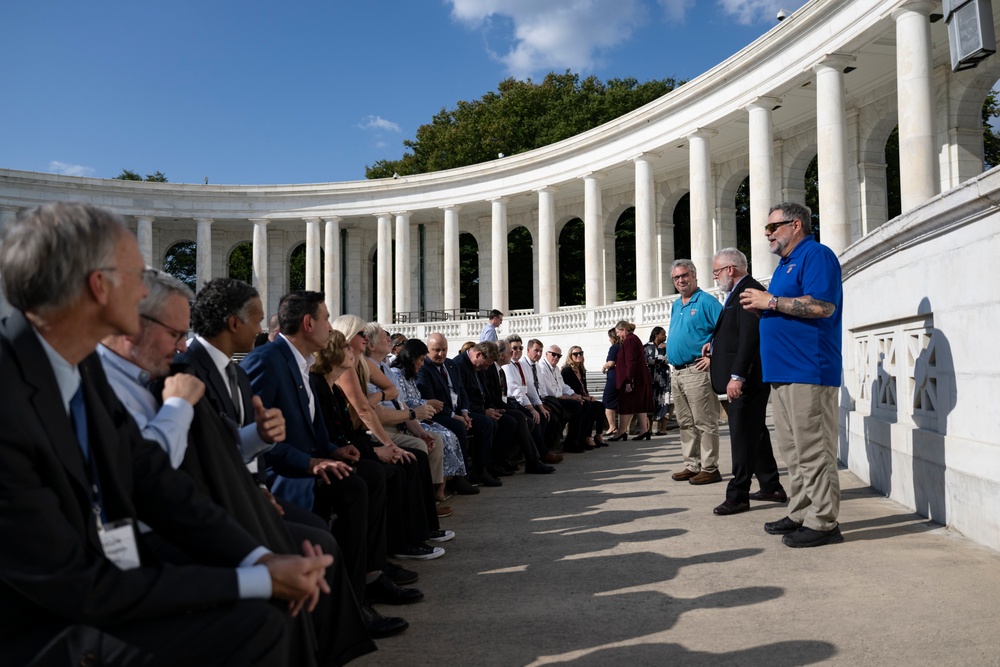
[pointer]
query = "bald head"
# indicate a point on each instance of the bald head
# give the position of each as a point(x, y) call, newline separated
point(437, 348)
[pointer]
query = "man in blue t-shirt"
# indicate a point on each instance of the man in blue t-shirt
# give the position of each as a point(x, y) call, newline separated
point(800, 349)
point(696, 404)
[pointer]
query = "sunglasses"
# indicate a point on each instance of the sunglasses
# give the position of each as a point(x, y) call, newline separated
point(577, 354)
point(772, 227)
point(556, 355)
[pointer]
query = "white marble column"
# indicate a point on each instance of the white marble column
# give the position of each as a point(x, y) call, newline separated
point(645, 230)
point(204, 251)
point(831, 152)
point(313, 278)
point(331, 272)
point(260, 262)
point(403, 277)
point(702, 194)
point(452, 292)
point(918, 180)
point(548, 281)
point(761, 183)
point(593, 239)
point(8, 214)
point(144, 234)
point(383, 310)
point(498, 254)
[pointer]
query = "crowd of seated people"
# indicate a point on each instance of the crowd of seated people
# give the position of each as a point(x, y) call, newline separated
point(276, 492)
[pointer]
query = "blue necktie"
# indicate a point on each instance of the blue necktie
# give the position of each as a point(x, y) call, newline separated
point(78, 413)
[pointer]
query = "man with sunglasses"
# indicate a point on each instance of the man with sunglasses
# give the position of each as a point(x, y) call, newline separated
point(800, 349)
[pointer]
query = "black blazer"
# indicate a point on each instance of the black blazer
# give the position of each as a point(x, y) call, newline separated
point(433, 386)
point(472, 380)
point(736, 342)
point(52, 568)
point(199, 363)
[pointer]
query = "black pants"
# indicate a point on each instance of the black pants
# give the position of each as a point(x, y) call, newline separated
point(359, 503)
point(751, 445)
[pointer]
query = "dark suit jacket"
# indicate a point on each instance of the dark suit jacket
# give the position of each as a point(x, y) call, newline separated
point(275, 377)
point(52, 568)
point(494, 392)
point(736, 342)
point(199, 363)
point(471, 380)
point(432, 386)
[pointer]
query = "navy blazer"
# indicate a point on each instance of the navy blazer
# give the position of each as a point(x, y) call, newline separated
point(433, 386)
point(736, 342)
point(52, 568)
point(473, 381)
point(275, 377)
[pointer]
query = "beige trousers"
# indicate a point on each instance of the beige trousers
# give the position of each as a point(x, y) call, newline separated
point(435, 457)
point(805, 425)
point(696, 407)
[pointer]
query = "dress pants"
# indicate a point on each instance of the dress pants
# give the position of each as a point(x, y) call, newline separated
point(697, 408)
point(751, 445)
point(805, 426)
point(359, 503)
point(512, 428)
point(484, 429)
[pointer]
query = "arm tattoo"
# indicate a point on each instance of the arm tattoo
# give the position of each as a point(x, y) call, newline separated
point(807, 307)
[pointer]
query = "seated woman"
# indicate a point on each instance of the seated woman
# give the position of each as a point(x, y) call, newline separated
point(403, 373)
point(574, 374)
point(407, 526)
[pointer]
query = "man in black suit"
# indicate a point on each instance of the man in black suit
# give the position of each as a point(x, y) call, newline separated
point(735, 371)
point(441, 379)
point(76, 476)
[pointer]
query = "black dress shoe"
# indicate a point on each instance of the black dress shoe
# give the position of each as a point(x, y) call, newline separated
point(461, 486)
point(782, 527)
point(731, 507)
point(809, 537)
point(385, 591)
point(400, 575)
point(538, 468)
point(506, 466)
point(644, 436)
point(498, 471)
point(778, 496)
point(621, 436)
point(573, 448)
point(381, 626)
point(485, 479)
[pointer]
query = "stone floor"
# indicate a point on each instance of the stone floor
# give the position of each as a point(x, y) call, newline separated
point(608, 560)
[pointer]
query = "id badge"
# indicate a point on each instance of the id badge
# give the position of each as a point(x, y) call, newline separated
point(119, 543)
point(454, 400)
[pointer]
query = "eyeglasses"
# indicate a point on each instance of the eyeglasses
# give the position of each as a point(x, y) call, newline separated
point(143, 273)
point(772, 227)
point(716, 272)
point(516, 347)
point(556, 355)
point(682, 276)
point(577, 354)
point(363, 335)
point(178, 335)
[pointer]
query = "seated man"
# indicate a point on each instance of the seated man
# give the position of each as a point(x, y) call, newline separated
point(76, 476)
point(522, 390)
point(441, 380)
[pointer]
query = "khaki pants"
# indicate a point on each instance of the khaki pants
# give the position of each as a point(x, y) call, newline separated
point(435, 457)
point(696, 407)
point(805, 425)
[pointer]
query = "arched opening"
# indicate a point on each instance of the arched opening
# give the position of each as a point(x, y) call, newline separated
point(297, 268)
point(181, 261)
point(893, 198)
point(468, 271)
point(743, 231)
point(682, 228)
point(572, 274)
point(520, 270)
point(625, 289)
point(241, 262)
point(812, 192)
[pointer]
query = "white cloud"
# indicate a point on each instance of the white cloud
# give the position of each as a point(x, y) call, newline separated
point(749, 12)
point(675, 9)
point(67, 169)
point(379, 123)
point(555, 34)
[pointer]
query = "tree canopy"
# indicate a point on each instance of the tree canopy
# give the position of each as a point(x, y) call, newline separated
point(129, 175)
point(519, 116)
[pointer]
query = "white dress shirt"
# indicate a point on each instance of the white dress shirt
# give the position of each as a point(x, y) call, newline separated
point(550, 381)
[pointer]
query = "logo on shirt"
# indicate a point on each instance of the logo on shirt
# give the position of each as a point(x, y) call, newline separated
point(789, 269)
point(694, 311)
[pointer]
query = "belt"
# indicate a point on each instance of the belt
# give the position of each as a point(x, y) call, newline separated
point(683, 366)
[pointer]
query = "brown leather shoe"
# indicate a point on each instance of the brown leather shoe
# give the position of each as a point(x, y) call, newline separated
point(444, 510)
point(551, 458)
point(706, 478)
point(731, 507)
point(683, 475)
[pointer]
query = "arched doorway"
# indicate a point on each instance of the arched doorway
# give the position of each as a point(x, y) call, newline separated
point(520, 270)
point(181, 261)
point(572, 273)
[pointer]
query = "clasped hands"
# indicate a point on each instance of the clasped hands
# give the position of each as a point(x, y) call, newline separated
point(298, 579)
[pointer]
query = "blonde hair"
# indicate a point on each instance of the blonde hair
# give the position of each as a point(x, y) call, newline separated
point(576, 366)
point(330, 356)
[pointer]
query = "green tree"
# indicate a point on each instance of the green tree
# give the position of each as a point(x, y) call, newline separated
point(468, 271)
point(241, 262)
point(520, 271)
point(625, 256)
point(519, 116)
point(181, 261)
point(572, 273)
point(991, 139)
point(743, 230)
point(158, 177)
point(129, 175)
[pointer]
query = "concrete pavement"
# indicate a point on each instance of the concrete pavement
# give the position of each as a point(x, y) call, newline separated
point(610, 560)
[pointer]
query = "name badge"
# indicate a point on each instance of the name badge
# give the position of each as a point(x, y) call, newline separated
point(119, 544)
point(454, 399)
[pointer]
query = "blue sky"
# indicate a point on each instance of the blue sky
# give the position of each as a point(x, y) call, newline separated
point(259, 92)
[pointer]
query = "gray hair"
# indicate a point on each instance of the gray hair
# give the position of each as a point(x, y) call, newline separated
point(161, 286)
point(684, 264)
point(503, 346)
point(372, 329)
point(513, 338)
point(795, 211)
point(734, 256)
point(50, 251)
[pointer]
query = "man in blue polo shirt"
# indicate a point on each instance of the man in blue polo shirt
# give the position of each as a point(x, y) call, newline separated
point(800, 349)
point(695, 403)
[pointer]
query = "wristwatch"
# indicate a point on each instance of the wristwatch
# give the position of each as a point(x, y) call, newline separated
point(413, 414)
point(773, 303)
